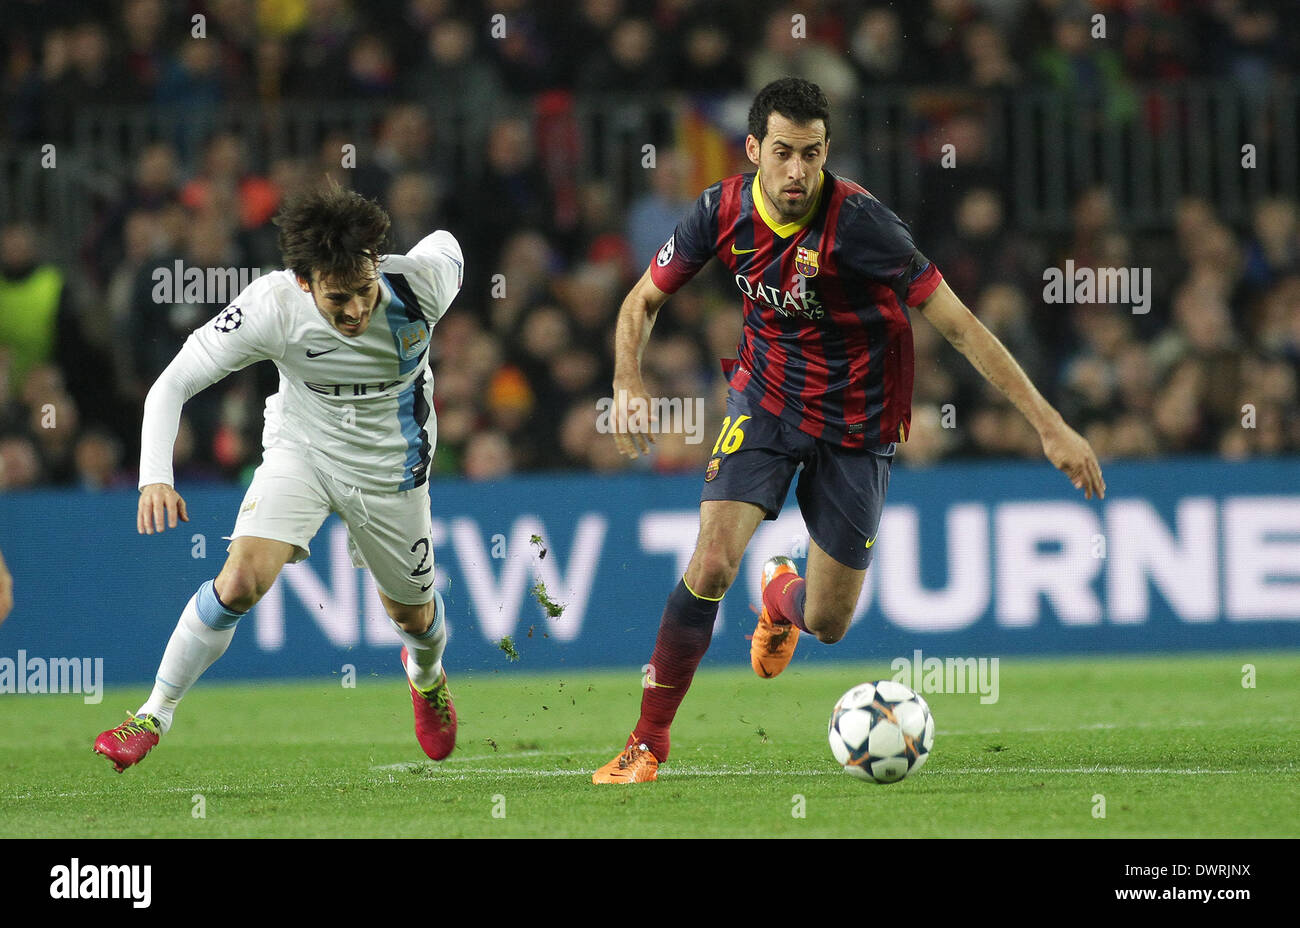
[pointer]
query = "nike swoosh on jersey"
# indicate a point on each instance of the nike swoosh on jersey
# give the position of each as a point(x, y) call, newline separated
point(738, 251)
point(870, 542)
point(317, 354)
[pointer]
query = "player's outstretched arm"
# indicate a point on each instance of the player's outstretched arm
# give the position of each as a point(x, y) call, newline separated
point(229, 342)
point(160, 507)
point(6, 590)
point(636, 318)
point(1064, 447)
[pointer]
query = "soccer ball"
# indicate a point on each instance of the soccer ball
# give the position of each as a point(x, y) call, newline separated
point(881, 731)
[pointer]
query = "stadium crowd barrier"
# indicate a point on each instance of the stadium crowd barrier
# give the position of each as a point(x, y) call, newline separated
point(1150, 146)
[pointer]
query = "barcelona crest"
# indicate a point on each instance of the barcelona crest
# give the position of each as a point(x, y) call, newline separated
point(712, 470)
point(805, 261)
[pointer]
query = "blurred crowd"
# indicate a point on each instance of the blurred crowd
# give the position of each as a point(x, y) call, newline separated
point(62, 54)
point(526, 351)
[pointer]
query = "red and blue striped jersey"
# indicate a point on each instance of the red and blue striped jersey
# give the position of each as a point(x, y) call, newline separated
point(827, 343)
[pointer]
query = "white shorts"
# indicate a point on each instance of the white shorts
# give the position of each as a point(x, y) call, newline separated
point(388, 533)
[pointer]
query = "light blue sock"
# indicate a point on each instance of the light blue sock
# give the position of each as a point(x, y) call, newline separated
point(424, 651)
point(202, 635)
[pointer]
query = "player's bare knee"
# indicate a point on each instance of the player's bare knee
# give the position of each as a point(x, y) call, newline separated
point(413, 619)
point(240, 585)
point(830, 635)
point(828, 628)
point(714, 572)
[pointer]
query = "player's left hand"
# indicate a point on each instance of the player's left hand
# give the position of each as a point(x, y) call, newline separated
point(632, 442)
point(1074, 457)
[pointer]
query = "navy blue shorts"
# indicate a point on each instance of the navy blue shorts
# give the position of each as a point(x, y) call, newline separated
point(841, 491)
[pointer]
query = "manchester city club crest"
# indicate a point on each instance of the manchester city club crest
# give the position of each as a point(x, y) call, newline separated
point(411, 340)
point(805, 261)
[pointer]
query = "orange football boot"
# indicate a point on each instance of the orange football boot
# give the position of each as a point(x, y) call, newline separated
point(634, 765)
point(772, 644)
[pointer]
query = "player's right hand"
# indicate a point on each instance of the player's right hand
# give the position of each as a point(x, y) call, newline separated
point(631, 418)
point(160, 505)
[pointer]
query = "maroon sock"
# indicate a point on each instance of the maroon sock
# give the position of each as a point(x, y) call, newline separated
point(684, 635)
point(784, 599)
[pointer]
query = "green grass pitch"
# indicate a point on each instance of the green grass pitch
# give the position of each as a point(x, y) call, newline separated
point(1174, 746)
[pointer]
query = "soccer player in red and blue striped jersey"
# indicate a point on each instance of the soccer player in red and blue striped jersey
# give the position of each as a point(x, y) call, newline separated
point(823, 379)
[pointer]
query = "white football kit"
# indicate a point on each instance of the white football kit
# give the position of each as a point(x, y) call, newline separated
point(352, 427)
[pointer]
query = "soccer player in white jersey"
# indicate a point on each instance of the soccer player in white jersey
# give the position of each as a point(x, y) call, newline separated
point(350, 431)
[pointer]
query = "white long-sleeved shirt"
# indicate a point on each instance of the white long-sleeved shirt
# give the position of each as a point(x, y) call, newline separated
point(359, 407)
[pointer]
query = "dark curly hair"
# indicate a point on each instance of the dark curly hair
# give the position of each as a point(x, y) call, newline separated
point(794, 98)
point(334, 231)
